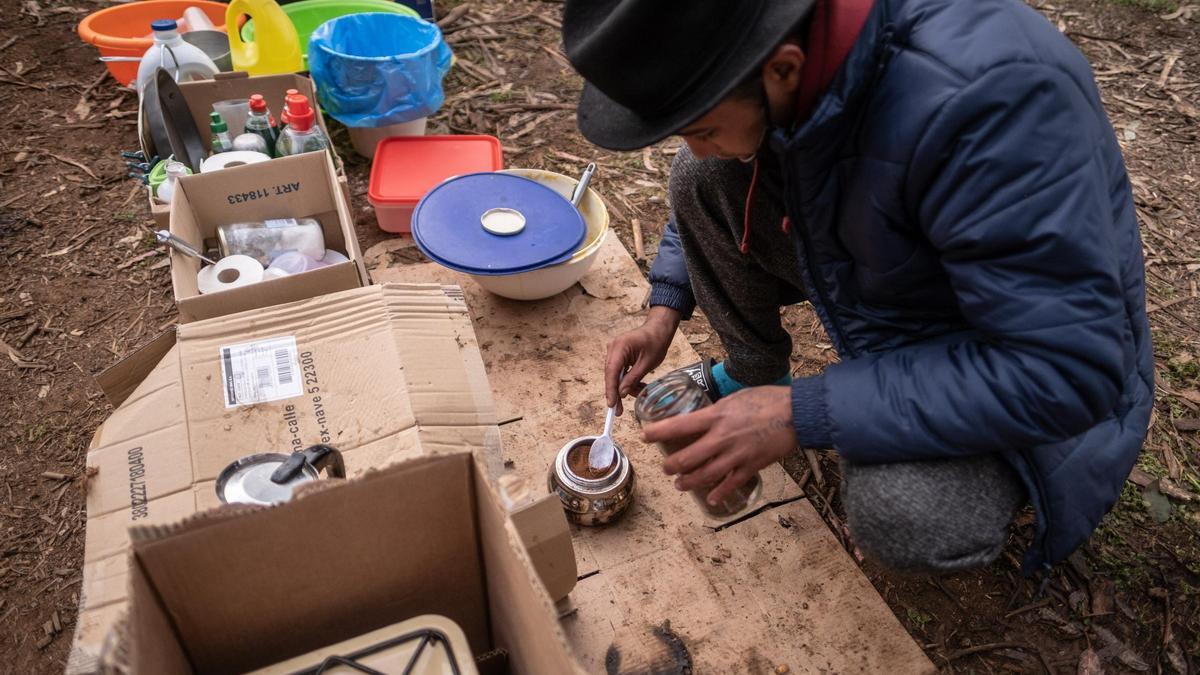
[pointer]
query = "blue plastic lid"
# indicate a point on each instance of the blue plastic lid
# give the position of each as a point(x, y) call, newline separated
point(163, 24)
point(496, 224)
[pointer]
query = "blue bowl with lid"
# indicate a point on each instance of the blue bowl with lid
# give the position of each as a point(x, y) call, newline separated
point(514, 232)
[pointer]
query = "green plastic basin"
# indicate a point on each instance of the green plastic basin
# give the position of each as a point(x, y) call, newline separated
point(307, 15)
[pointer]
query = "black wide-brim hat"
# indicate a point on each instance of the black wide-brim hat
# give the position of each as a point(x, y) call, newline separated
point(652, 67)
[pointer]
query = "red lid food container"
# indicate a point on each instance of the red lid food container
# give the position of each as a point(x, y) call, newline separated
point(406, 167)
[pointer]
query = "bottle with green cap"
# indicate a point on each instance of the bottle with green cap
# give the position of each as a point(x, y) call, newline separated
point(221, 140)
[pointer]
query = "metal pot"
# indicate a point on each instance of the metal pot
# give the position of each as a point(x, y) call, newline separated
point(591, 499)
point(214, 43)
point(271, 477)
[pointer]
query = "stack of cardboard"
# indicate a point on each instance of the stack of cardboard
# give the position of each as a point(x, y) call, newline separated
point(391, 376)
point(230, 591)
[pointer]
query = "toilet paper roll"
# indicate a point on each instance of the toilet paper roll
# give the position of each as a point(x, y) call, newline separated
point(232, 271)
point(225, 160)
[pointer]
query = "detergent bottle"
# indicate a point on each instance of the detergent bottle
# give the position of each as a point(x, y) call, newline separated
point(259, 122)
point(276, 46)
point(302, 133)
point(183, 60)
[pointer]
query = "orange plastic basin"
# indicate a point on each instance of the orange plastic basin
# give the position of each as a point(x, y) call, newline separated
point(121, 30)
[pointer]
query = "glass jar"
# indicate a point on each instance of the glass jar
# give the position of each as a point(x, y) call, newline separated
point(265, 240)
point(678, 394)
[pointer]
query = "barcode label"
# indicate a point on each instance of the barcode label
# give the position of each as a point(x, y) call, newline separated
point(283, 365)
point(260, 371)
point(281, 222)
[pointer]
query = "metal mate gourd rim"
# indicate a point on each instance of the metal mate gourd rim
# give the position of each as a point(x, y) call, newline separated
point(496, 224)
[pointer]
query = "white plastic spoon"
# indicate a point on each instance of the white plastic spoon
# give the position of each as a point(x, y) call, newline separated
point(600, 455)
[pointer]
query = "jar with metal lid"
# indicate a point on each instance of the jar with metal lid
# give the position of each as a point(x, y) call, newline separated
point(271, 477)
point(267, 239)
point(591, 496)
point(677, 394)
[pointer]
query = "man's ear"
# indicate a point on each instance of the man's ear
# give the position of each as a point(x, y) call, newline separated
point(782, 70)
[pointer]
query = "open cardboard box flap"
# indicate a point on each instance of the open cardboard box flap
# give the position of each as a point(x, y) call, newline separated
point(384, 373)
point(119, 380)
point(241, 588)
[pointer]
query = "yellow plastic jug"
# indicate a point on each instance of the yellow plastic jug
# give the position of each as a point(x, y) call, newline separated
point(276, 47)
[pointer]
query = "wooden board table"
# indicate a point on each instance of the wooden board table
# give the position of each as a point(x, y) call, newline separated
point(663, 587)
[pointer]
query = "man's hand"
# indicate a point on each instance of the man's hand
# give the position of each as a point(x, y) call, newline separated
point(640, 350)
point(739, 435)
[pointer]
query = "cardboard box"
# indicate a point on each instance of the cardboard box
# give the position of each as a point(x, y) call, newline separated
point(387, 373)
point(303, 186)
point(200, 96)
point(232, 590)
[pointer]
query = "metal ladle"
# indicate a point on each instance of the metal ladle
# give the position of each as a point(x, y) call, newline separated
point(581, 188)
point(165, 237)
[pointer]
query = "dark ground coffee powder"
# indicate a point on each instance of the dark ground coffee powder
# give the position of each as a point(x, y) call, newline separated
point(577, 463)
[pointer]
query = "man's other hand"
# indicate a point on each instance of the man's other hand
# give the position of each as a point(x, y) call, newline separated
point(740, 435)
point(640, 351)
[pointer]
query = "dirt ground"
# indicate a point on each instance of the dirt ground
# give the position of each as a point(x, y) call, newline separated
point(82, 284)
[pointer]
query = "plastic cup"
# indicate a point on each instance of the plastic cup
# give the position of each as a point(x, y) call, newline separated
point(235, 112)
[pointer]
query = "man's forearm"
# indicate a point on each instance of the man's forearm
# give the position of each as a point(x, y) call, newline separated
point(664, 318)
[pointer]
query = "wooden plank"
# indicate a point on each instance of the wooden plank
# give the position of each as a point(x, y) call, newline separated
point(664, 583)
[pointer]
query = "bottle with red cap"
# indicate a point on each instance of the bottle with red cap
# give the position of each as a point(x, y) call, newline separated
point(283, 117)
point(301, 133)
point(259, 122)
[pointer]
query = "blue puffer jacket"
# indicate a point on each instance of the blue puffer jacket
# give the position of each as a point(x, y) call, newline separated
point(966, 232)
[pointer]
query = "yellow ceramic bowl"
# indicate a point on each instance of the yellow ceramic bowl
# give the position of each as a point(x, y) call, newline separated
point(595, 214)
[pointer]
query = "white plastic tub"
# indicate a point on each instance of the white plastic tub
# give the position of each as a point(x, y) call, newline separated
point(366, 139)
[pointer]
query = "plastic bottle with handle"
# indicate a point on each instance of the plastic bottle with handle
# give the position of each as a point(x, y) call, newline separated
point(276, 46)
point(182, 60)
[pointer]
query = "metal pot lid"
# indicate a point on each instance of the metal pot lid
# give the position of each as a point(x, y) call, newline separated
point(496, 224)
point(248, 480)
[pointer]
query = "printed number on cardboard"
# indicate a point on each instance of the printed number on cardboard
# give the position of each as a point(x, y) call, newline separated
point(260, 371)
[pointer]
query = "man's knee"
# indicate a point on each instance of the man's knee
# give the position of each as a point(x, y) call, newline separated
point(934, 516)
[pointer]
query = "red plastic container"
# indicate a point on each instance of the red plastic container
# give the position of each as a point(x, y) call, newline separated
point(406, 167)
